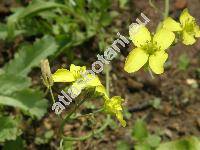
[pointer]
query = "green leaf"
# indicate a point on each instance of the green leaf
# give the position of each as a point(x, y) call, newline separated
point(66, 145)
point(32, 9)
point(30, 101)
point(38, 6)
point(12, 20)
point(155, 103)
point(44, 138)
point(140, 131)
point(105, 19)
point(123, 3)
point(122, 145)
point(153, 140)
point(183, 62)
point(142, 147)
point(12, 83)
point(18, 144)
point(190, 143)
point(29, 56)
point(3, 31)
point(8, 129)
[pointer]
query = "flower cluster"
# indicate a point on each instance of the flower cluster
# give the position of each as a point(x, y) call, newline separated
point(80, 80)
point(151, 49)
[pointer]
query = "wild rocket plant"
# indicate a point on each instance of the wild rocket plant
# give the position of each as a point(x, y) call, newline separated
point(80, 80)
point(151, 51)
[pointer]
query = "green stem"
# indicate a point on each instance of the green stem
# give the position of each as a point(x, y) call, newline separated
point(82, 138)
point(72, 44)
point(71, 113)
point(53, 100)
point(46, 92)
point(107, 70)
point(106, 123)
point(50, 89)
point(151, 73)
point(166, 13)
point(89, 114)
point(152, 5)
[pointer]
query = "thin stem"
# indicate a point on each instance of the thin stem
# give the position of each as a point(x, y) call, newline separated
point(82, 138)
point(53, 100)
point(61, 145)
point(166, 13)
point(151, 73)
point(107, 70)
point(46, 92)
point(71, 113)
point(152, 5)
point(89, 114)
point(104, 126)
point(52, 96)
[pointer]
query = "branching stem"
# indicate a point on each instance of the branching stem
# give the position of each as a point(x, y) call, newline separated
point(166, 13)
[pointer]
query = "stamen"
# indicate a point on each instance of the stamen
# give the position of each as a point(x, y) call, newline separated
point(150, 47)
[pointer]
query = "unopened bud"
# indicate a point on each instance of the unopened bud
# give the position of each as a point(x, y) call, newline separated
point(46, 73)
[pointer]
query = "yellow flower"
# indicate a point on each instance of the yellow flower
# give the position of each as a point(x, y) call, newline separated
point(114, 106)
point(64, 75)
point(79, 82)
point(187, 27)
point(150, 49)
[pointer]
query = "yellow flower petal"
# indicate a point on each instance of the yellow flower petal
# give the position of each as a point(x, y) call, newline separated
point(75, 89)
point(63, 75)
point(116, 102)
point(164, 38)
point(188, 39)
point(119, 116)
point(101, 90)
point(135, 60)
point(89, 81)
point(156, 61)
point(140, 35)
point(197, 31)
point(186, 17)
point(114, 106)
point(92, 81)
point(76, 70)
point(171, 25)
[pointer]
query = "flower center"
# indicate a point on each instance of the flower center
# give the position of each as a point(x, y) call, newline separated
point(151, 47)
point(189, 26)
point(78, 73)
